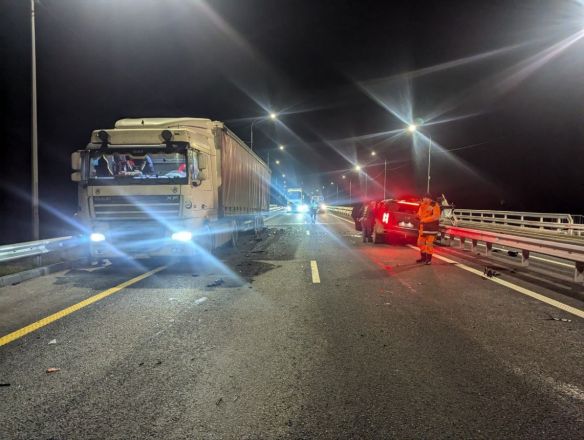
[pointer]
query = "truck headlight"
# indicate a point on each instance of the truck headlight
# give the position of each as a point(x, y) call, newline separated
point(96, 237)
point(322, 206)
point(182, 236)
point(288, 208)
point(303, 208)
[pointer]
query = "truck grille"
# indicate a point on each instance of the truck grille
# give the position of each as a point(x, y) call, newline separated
point(136, 207)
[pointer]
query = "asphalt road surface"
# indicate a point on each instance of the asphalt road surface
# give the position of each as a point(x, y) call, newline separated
point(306, 333)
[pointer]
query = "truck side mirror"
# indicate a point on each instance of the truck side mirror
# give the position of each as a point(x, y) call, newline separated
point(76, 161)
point(202, 161)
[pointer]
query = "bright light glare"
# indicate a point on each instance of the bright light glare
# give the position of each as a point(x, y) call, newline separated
point(412, 128)
point(288, 208)
point(182, 236)
point(281, 147)
point(96, 237)
point(277, 162)
point(373, 153)
point(303, 208)
point(273, 116)
point(357, 167)
point(344, 177)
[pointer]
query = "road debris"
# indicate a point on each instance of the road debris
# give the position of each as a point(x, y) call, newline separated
point(512, 253)
point(219, 401)
point(4, 384)
point(490, 272)
point(52, 341)
point(52, 370)
point(201, 300)
point(216, 283)
point(554, 318)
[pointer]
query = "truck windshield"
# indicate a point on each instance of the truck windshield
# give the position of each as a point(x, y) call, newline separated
point(114, 168)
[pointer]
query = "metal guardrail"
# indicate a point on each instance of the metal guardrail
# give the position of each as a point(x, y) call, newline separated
point(341, 210)
point(567, 251)
point(547, 223)
point(17, 251)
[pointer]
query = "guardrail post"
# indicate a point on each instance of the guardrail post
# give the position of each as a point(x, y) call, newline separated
point(461, 242)
point(579, 272)
point(524, 258)
point(489, 250)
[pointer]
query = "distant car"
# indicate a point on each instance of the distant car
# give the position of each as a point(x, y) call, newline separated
point(396, 220)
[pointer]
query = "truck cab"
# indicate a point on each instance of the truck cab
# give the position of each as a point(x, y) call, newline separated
point(167, 187)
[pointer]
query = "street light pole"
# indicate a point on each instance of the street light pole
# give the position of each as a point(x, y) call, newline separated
point(350, 193)
point(34, 146)
point(251, 134)
point(429, 162)
point(384, 178)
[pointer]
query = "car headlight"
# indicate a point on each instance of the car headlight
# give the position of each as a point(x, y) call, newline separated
point(96, 237)
point(182, 236)
point(322, 206)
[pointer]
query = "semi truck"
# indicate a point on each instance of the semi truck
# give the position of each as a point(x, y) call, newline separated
point(163, 187)
point(295, 200)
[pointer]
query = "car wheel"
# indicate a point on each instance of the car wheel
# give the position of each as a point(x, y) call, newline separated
point(378, 238)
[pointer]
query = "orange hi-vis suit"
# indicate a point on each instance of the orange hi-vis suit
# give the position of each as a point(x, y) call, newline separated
point(429, 215)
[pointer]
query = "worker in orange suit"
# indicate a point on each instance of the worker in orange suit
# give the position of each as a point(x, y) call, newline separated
point(429, 215)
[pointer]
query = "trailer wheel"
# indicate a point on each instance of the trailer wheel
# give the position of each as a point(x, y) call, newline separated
point(234, 234)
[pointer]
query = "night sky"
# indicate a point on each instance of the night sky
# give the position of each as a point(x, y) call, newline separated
point(499, 83)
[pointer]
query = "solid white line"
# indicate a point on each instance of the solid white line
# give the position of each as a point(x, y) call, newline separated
point(344, 219)
point(314, 269)
point(523, 290)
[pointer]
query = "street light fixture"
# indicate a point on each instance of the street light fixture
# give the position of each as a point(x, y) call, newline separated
point(272, 116)
point(373, 153)
point(412, 128)
point(277, 162)
point(281, 147)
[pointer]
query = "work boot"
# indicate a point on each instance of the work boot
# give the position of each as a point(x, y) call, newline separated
point(429, 259)
point(422, 258)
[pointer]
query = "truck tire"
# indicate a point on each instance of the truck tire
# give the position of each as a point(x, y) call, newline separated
point(234, 234)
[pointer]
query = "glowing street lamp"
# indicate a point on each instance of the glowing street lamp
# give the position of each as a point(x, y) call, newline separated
point(357, 168)
point(281, 147)
point(272, 116)
point(277, 162)
point(412, 128)
point(373, 153)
